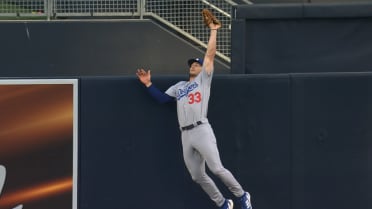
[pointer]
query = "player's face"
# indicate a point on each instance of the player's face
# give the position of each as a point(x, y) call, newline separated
point(195, 69)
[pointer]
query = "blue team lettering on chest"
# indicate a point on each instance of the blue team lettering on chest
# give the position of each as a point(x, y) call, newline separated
point(182, 92)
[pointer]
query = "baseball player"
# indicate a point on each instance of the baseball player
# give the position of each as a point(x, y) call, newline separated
point(198, 140)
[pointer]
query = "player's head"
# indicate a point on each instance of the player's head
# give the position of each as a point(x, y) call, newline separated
point(195, 65)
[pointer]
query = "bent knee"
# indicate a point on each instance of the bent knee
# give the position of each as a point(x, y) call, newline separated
point(199, 178)
point(218, 171)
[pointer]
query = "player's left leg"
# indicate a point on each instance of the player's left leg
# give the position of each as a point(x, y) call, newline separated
point(207, 146)
point(195, 164)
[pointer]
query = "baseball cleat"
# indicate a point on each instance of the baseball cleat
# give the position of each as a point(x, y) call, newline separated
point(228, 204)
point(245, 201)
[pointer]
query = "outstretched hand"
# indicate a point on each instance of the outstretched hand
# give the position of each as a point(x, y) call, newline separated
point(213, 26)
point(144, 77)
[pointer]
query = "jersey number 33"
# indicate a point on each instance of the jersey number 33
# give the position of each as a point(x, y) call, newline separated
point(194, 97)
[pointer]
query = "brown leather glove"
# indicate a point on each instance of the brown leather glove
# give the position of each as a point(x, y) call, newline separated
point(209, 18)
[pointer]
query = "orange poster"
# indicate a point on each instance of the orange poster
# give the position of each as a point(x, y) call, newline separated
point(38, 144)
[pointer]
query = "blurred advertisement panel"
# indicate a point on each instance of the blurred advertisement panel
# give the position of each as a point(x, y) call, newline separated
point(38, 144)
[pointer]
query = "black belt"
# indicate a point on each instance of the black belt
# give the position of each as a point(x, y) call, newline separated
point(189, 127)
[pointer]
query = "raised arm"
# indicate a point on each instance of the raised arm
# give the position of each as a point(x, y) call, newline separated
point(213, 25)
point(145, 78)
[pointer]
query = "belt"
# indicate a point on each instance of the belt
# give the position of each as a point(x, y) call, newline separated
point(189, 127)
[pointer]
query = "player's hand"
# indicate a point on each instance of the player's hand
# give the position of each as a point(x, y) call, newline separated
point(144, 77)
point(213, 26)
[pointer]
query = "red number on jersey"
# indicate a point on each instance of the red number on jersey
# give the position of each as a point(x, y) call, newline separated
point(194, 98)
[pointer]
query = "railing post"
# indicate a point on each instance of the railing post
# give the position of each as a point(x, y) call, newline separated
point(142, 4)
point(48, 7)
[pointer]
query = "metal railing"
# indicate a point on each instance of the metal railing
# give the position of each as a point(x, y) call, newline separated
point(182, 16)
point(185, 17)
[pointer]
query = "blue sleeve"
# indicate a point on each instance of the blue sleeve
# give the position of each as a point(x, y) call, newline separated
point(159, 96)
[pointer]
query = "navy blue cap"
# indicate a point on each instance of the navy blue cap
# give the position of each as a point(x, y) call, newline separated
point(198, 60)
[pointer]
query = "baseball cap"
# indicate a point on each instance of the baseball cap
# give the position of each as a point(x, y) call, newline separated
point(192, 60)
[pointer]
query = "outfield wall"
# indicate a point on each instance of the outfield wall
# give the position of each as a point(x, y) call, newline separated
point(301, 38)
point(93, 48)
point(294, 141)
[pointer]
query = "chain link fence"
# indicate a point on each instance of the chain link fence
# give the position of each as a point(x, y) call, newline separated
point(184, 17)
point(10, 8)
point(96, 7)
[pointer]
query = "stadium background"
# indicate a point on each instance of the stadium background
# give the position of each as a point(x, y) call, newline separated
point(291, 101)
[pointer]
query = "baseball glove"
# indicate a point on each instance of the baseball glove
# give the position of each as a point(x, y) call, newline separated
point(209, 18)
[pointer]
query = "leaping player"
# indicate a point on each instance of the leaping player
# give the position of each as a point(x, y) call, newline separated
point(198, 139)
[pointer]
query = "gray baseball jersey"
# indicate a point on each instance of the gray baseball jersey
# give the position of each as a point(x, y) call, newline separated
point(199, 144)
point(192, 98)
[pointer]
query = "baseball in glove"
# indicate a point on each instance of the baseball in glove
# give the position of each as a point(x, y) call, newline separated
point(209, 18)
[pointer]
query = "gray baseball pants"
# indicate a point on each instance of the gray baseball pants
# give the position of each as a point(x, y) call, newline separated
point(200, 148)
